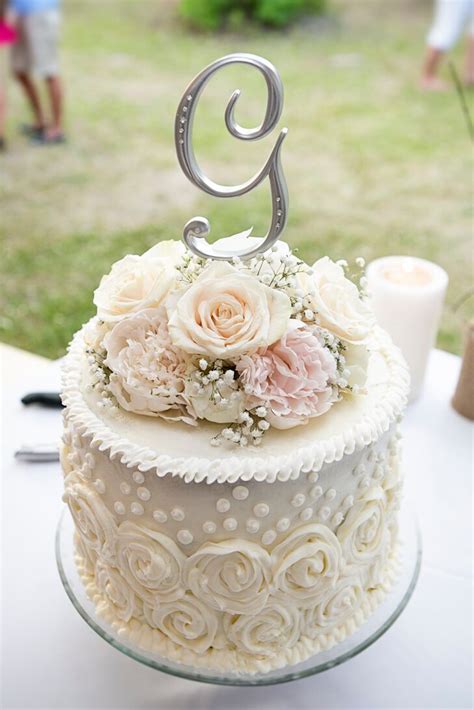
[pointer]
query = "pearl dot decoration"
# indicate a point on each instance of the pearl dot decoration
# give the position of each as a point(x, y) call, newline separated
point(313, 476)
point(364, 482)
point(359, 470)
point(223, 505)
point(268, 537)
point(230, 524)
point(330, 494)
point(138, 477)
point(160, 516)
point(316, 492)
point(185, 537)
point(338, 518)
point(240, 492)
point(261, 510)
point(348, 501)
point(209, 527)
point(325, 512)
point(298, 500)
point(143, 493)
point(252, 525)
point(119, 507)
point(125, 488)
point(137, 508)
point(283, 524)
point(177, 514)
point(99, 485)
point(306, 514)
point(371, 456)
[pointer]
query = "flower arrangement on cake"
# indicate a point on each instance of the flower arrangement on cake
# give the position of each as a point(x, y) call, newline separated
point(267, 342)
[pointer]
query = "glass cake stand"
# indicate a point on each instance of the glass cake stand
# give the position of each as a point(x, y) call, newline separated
point(378, 623)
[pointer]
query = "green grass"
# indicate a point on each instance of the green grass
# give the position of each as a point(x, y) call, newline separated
point(374, 166)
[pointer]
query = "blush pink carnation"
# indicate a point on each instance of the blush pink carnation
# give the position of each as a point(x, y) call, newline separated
point(292, 378)
point(148, 372)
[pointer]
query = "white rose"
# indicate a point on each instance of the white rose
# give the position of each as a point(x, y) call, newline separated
point(88, 556)
point(275, 628)
point(337, 607)
point(232, 575)
point(116, 591)
point(138, 282)
point(150, 562)
point(186, 621)
point(148, 371)
point(227, 313)
point(363, 532)
point(307, 563)
point(337, 302)
point(93, 521)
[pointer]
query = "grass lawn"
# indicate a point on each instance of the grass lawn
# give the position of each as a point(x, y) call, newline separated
point(374, 166)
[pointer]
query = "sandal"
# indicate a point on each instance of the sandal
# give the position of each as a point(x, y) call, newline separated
point(45, 139)
point(28, 129)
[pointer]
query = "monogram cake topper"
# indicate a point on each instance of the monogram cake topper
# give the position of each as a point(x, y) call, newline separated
point(198, 228)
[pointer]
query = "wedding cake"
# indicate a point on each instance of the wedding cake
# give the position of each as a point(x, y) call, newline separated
point(231, 455)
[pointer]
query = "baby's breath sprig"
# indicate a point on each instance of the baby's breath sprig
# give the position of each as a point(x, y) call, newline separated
point(100, 379)
point(214, 378)
point(355, 272)
point(247, 431)
point(190, 268)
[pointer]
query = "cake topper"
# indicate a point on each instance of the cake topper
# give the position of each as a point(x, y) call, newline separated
point(198, 228)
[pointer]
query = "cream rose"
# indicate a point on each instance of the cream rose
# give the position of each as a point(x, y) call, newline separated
point(138, 282)
point(338, 606)
point(150, 562)
point(186, 621)
point(232, 575)
point(116, 591)
point(307, 564)
point(94, 523)
point(275, 628)
point(88, 556)
point(227, 313)
point(336, 301)
point(363, 531)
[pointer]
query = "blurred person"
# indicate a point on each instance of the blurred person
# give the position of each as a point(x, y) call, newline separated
point(36, 53)
point(7, 36)
point(451, 17)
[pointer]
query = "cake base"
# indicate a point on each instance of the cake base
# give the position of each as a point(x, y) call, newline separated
point(307, 658)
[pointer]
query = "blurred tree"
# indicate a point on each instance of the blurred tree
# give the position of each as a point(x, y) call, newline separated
point(211, 15)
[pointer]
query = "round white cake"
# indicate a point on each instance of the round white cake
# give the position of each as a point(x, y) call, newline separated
point(231, 456)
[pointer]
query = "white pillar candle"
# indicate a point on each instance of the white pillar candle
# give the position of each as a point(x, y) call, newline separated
point(407, 294)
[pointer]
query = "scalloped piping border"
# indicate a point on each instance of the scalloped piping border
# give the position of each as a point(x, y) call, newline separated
point(154, 641)
point(229, 470)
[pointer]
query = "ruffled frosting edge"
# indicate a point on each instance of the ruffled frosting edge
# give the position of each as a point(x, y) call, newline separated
point(245, 468)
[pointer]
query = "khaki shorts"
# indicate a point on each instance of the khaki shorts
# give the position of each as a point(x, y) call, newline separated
point(36, 49)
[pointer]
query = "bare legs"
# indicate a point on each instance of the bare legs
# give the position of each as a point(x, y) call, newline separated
point(33, 99)
point(55, 97)
point(470, 61)
point(429, 76)
point(55, 93)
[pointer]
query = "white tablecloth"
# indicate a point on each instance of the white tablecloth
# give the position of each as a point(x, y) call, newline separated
point(52, 659)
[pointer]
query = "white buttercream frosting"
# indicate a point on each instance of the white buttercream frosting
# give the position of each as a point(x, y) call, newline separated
point(236, 560)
